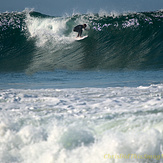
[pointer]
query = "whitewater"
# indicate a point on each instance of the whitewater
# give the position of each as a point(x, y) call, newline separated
point(92, 101)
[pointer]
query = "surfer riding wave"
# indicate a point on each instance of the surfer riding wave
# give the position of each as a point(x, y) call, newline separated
point(79, 29)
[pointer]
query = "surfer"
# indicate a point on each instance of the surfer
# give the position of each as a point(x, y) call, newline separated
point(79, 28)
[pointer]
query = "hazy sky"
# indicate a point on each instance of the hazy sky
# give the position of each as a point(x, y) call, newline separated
point(60, 7)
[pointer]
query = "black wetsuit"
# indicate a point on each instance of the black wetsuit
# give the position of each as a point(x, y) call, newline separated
point(78, 29)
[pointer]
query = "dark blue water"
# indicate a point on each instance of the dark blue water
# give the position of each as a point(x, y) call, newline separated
point(79, 79)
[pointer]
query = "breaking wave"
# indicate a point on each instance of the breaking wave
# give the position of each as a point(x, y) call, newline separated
point(31, 41)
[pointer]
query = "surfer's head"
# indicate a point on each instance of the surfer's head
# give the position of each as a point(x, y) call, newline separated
point(84, 25)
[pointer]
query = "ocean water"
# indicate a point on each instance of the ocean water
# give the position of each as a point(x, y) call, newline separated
point(92, 101)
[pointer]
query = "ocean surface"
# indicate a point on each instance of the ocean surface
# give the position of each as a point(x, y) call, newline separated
point(98, 100)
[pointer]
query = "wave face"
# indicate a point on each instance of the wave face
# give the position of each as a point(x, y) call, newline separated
point(31, 42)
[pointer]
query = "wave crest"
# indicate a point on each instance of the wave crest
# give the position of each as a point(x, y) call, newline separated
point(116, 41)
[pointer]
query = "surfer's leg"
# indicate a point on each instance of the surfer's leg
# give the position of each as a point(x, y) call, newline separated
point(80, 33)
point(76, 30)
point(79, 30)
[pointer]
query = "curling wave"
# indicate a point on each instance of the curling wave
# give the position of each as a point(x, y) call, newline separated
point(31, 42)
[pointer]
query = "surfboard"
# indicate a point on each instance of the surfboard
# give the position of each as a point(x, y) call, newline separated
point(81, 38)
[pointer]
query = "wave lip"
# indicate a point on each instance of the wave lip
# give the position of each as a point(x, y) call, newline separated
point(41, 42)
